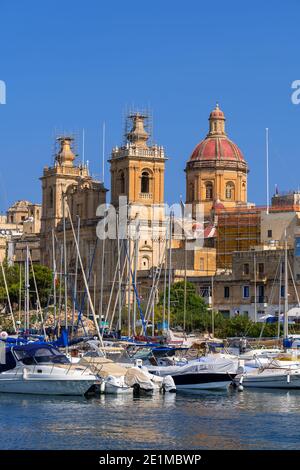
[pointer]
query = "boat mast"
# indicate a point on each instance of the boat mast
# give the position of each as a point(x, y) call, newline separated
point(8, 298)
point(255, 289)
point(65, 262)
point(76, 275)
point(27, 290)
point(119, 279)
point(20, 293)
point(136, 252)
point(54, 277)
point(129, 275)
point(165, 277)
point(286, 300)
point(38, 303)
point(279, 300)
point(170, 266)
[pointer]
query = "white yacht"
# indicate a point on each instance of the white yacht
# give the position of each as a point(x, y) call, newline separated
point(40, 368)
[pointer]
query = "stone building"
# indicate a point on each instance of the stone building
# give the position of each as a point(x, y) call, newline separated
point(255, 286)
point(18, 229)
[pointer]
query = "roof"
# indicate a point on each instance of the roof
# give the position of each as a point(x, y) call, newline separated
point(217, 148)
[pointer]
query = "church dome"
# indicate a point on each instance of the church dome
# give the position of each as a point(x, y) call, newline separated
point(217, 146)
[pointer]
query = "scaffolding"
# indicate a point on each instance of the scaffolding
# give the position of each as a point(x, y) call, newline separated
point(238, 230)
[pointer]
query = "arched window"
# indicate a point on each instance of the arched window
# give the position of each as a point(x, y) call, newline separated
point(51, 197)
point(122, 183)
point(229, 192)
point(145, 262)
point(145, 182)
point(243, 191)
point(209, 191)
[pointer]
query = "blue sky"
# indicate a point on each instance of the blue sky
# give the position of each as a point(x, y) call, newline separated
point(71, 65)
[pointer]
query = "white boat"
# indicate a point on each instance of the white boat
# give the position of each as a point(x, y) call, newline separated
point(208, 373)
point(41, 369)
point(269, 378)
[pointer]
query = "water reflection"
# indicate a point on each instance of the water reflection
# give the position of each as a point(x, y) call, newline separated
point(253, 419)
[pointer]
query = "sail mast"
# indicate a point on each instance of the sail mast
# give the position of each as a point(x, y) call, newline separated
point(286, 301)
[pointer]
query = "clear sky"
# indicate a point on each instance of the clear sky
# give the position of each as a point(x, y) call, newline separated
point(70, 65)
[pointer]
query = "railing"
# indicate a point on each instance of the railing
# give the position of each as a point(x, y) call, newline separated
point(145, 195)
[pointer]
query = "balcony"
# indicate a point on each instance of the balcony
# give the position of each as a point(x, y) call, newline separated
point(145, 195)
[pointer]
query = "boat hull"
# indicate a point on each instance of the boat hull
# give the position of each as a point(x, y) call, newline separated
point(271, 382)
point(46, 387)
point(202, 381)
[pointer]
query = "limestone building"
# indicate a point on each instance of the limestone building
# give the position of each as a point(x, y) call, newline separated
point(19, 228)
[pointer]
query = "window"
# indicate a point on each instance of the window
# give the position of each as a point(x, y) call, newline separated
point(246, 292)
point(145, 182)
point(145, 262)
point(51, 197)
point(122, 183)
point(205, 291)
point(229, 192)
point(244, 191)
point(261, 268)
point(208, 191)
point(270, 234)
point(201, 264)
point(225, 313)
point(246, 269)
point(226, 292)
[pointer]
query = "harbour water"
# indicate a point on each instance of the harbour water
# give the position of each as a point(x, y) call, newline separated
point(224, 420)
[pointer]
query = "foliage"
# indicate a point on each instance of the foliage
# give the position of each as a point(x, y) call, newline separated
point(43, 277)
point(197, 315)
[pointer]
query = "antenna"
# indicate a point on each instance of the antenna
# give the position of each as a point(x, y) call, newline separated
point(103, 151)
point(267, 164)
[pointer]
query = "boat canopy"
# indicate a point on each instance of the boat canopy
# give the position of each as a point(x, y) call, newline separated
point(38, 352)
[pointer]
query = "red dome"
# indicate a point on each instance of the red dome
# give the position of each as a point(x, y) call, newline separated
point(217, 148)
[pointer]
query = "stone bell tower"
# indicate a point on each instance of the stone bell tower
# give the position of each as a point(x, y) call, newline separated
point(137, 172)
point(137, 169)
point(55, 181)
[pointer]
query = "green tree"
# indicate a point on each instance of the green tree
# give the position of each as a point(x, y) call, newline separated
point(43, 276)
point(197, 315)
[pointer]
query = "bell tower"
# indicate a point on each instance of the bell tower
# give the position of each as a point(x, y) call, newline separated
point(137, 172)
point(55, 181)
point(137, 168)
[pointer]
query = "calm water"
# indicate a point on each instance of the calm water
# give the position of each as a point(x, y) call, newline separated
point(222, 420)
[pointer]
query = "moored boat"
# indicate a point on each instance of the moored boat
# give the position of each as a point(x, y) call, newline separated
point(41, 369)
